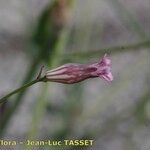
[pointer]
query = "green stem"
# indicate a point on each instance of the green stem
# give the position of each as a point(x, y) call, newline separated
point(122, 48)
point(3, 99)
point(18, 99)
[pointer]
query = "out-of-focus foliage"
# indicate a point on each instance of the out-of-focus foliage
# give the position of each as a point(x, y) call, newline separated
point(33, 33)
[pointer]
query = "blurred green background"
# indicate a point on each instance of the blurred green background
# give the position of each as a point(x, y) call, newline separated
point(53, 32)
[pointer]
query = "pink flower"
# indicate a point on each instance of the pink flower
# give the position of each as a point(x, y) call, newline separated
point(73, 73)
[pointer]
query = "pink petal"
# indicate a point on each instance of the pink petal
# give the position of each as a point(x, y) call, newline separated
point(105, 61)
point(107, 77)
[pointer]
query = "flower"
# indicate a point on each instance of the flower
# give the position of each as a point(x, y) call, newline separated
point(73, 72)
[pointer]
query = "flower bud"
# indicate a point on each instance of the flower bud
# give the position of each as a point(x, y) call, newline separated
point(73, 73)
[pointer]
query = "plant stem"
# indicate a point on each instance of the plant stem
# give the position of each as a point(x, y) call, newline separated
point(3, 99)
point(115, 49)
point(18, 99)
